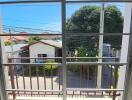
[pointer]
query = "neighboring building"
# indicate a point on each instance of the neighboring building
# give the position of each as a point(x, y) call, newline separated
point(43, 48)
point(51, 37)
point(14, 51)
point(25, 37)
point(17, 39)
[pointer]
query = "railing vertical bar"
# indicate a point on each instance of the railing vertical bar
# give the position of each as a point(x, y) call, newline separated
point(73, 93)
point(51, 79)
point(115, 80)
point(30, 73)
point(95, 79)
point(81, 68)
point(110, 81)
point(11, 71)
point(44, 75)
point(59, 78)
point(102, 93)
point(111, 76)
point(37, 77)
point(23, 78)
point(16, 79)
point(87, 75)
point(102, 80)
point(95, 93)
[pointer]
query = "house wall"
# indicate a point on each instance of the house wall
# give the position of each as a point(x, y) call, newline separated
point(40, 48)
point(15, 55)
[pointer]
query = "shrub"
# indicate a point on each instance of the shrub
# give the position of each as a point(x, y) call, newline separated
point(50, 69)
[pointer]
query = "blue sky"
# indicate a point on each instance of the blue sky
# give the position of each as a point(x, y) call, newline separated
point(40, 16)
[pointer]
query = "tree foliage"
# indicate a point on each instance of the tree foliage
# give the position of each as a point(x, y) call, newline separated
point(7, 43)
point(33, 39)
point(87, 20)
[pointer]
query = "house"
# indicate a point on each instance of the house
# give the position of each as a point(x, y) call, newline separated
point(17, 39)
point(14, 51)
point(42, 48)
point(51, 37)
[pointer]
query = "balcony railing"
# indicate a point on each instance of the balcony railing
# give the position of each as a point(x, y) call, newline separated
point(33, 79)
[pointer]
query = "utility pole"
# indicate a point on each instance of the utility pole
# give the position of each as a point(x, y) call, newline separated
point(99, 72)
point(11, 40)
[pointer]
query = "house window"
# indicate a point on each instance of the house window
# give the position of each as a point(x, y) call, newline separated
point(40, 58)
point(42, 55)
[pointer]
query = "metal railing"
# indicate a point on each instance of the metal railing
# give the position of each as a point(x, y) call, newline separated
point(30, 79)
point(62, 88)
point(30, 71)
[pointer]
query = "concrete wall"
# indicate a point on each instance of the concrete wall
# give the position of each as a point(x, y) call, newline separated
point(40, 48)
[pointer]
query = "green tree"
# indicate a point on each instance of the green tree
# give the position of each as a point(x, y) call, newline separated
point(33, 39)
point(7, 43)
point(87, 20)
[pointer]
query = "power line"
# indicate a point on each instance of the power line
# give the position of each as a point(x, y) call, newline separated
point(6, 26)
point(29, 30)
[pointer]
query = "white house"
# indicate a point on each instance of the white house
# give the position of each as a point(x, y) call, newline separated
point(43, 48)
point(14, 51)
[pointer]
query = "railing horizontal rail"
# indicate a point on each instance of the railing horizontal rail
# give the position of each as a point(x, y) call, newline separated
point(96, 63)
point(29, 1)
point(69, 63)
point(70, 89)
point(6, 64)
point(72, 1)
point(30, 34)
point(28, 90)
point(96, 34)
point(69, 34)
point(66, 57)
point(92, 1)
point(91, 89)
point(35, 57)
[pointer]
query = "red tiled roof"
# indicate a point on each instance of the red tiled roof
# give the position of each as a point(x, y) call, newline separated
point(47, 42)
point(16, 38)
